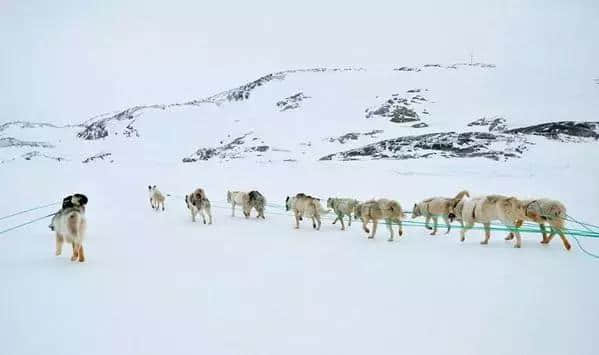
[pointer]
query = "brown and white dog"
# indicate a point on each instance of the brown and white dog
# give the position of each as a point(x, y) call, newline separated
point(374, 210)
point(544, 210)
point(436, 207)
point(70, 225)
point(486, 209)
point(197, 202)
point(156, 198)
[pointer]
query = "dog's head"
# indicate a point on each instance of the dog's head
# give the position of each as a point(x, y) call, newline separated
point(287, 204)
point(75, 200)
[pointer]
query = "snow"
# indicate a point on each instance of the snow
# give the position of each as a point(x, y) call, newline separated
point(156, 283)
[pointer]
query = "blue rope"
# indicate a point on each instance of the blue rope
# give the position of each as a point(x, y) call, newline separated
point(26, 223)
point(29, 210)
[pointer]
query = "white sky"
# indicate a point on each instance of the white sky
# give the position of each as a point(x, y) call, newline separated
point(64, 61)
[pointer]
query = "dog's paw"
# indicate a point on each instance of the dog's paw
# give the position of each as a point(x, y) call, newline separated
point(484, 242)
point(400, 233)
point(390, 239)
point(433, 233)
point(429, 227)
point(58, 252)
point(517, 246)
point(74, 258)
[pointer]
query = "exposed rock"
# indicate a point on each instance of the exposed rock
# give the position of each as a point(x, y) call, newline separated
point(291, 102)
point(231, 150)
point(407, 69)
point(13, 142)
point(354, 136)
point(37, 154)
point(419, 125)
point(25, 124)
point(563, 130)
point(447, 145)
point(397, 108)
point(496, 123)
point(99, 156)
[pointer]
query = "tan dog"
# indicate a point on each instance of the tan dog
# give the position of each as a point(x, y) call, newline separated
point(552, 212)
point(197, 202)
point(375, 210)
point(436, 207)
point(485, 209)
point(306, 206)
point(70, 225)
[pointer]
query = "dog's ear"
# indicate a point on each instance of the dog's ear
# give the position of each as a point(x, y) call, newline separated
point(154, 186)
point(149, 187)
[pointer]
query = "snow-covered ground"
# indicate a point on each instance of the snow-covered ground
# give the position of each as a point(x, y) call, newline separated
point(156, 283)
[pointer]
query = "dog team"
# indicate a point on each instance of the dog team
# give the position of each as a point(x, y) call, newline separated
point(69, 222)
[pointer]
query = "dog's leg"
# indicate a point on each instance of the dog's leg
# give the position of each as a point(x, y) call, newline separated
point(551, 235)
point(163, 205)
point(374, 224)
point(75, 252)
point(313, 222)
point(564, 240)
point(319, 223)
point(543, 232)
point(59, 241)
point(510, 236)
point(209, 212)
point(435, 221)
point(465, 228)
point(426, 222)
point(193, 215)
point(447, 223)
point(233, 209)
point(349, 222)
point(400, 227)
point(297, 219)
point(81, 253)
point(365, 221)
point(336, 219)
point(487, 233)
point(518, 239)
point(203, 216)
point(390, 227)
point(340, 217)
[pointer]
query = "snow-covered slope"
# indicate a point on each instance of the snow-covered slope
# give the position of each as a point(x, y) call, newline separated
point(293, 115)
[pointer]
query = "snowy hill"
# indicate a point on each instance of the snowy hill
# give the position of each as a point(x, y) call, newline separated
point(157, 283)
point(299, 114)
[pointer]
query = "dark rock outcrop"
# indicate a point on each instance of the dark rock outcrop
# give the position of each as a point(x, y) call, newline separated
point(563, 130)
point(446, 144)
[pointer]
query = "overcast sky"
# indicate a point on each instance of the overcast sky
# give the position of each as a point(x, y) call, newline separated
point(64, 61)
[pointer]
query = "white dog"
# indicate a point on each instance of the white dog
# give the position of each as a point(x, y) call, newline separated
point(70, 225)
point(156, 198)
point(485, 209)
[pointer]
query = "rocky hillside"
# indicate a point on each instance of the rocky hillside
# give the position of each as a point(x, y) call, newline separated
point(410, 112)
